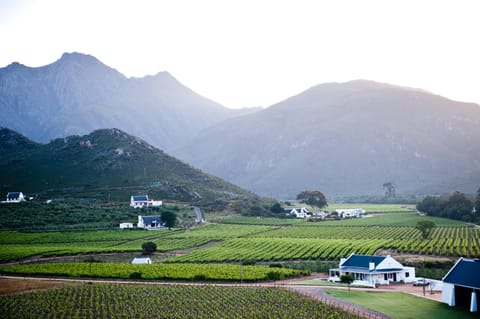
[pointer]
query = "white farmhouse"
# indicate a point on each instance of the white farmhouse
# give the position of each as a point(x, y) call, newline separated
point(139, 201)
point(301, 212)
point(372, 270)
point(150, 222)
point(15, 197)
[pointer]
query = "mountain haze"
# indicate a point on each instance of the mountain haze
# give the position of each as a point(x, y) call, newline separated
point(347, 139)
point(78, 94)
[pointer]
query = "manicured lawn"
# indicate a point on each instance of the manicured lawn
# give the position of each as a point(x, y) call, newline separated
point(402, 306)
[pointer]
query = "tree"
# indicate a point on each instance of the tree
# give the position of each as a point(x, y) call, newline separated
point(477, 204)
point(459, 207)
point(169, 218)
point(390, 193)
point(149, 248)
point(313, 198)
point(425, 227)
point(347, 279)
point(276, 208)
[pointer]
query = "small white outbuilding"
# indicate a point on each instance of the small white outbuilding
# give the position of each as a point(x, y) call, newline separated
point(141, 261)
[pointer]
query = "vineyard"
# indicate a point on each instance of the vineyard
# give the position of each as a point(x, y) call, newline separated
point(216, 272)
point(250, 242)
point(141, 301)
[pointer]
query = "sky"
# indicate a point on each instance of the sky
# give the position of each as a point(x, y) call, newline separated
point(257, 53)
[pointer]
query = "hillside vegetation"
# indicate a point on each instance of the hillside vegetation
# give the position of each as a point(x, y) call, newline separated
point(108, 165)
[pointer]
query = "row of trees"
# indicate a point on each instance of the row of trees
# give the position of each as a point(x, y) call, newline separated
point(457, 206)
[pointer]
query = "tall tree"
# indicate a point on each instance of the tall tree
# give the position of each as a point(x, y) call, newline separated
point(459, 207)
point(390, 192)
point(313, 198)
point(169, 218)
point(149, 247)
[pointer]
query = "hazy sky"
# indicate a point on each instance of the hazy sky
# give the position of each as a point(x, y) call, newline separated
point(257, 53)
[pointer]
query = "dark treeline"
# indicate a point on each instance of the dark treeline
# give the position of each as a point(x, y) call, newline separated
point(456, 206)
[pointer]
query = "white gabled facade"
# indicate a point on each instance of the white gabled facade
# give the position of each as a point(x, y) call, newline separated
point(139, 201)
point(372, 270)
point(14, 197)
point(301, 212)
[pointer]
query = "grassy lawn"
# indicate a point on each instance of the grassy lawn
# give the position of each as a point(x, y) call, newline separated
point(402, 306)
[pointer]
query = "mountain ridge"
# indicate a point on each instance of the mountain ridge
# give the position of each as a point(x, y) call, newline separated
point(77, 94)
point(346, 139)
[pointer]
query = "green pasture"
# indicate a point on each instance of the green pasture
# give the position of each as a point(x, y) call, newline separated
point(400, 305)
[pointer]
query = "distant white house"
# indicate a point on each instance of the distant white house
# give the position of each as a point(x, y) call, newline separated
point(301, 212)
point(461, 284)
point(141, 261)
point(150, 222)
point(139, 201)
point(15, 197)
point(126, 225)
point(350, 212)
point(372, 270)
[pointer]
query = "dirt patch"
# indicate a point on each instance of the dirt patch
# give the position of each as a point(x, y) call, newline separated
point(10, 286)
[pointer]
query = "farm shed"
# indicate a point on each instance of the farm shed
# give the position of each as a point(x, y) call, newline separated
point(126, 225)
point(462, 283)
point(372, 270)
point(141, 261)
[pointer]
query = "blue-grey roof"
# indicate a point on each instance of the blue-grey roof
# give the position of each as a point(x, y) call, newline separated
point(152, 219)
point(140, 198)
point(466, 273)
point(13, 195)
point(362, 261)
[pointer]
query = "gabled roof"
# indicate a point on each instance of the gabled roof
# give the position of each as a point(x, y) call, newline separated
point(362, 261)
point(140, 198)
point(466, 273)
point(13, 195)
point(152, 219)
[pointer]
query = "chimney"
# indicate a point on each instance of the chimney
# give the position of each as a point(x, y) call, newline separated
point(371, 265)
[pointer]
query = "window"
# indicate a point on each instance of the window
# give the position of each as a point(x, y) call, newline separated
point(407, 274)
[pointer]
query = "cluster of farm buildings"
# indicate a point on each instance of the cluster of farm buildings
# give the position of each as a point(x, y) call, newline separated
point(305, 213)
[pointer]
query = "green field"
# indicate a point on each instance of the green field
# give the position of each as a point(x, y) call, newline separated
point(401, 306)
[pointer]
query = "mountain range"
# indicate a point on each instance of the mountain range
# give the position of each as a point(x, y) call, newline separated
point(341, 138)
point(78, 94)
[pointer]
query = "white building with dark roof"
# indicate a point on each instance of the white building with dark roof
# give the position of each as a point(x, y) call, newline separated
point(372, 270)
point(15, 197)
point(139, 201)
point(462, 284)
point(150, 222)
